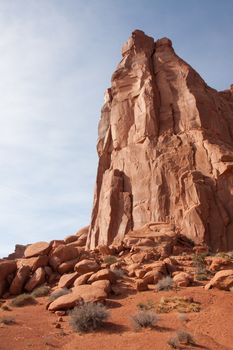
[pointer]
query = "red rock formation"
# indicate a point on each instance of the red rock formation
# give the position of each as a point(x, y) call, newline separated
point(165, 150)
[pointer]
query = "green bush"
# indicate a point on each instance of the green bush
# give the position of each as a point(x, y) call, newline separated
point(88, 317)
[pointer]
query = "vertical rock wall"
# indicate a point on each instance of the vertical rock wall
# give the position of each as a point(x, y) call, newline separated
point(165, 150)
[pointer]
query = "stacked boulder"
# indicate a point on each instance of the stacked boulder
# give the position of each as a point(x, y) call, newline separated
point(42, 262)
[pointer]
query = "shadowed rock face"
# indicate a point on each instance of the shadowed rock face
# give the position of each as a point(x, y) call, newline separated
point(165, 150)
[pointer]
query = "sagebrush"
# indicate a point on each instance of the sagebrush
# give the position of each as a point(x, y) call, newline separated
point(144, 319)
point(58, 293)
point(23, 300)
point(165, 283)
point(41, 291)
point(88, 317)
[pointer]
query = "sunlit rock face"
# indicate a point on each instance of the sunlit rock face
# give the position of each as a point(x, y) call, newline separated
point(165, 150)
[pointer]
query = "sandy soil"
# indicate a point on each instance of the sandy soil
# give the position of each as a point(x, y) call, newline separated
point(212, 327)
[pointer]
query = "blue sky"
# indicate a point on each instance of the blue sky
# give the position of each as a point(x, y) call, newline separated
point(56, 60)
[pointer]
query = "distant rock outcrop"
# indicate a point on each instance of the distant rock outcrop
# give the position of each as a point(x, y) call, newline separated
point(165, 150)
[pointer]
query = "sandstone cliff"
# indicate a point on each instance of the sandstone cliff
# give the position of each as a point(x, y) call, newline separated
point(165, 150)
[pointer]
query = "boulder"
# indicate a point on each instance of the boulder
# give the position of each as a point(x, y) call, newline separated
point(67, 266)
point(104, 285)
point(83, 231)
point(132, 268)
point(48, 271)
point(33, 263)
point(82, 279)
point(36, 280)
point(158, 269)
point(70, 239)
point(104, 250)
point(219, 263)
point(221, 280)
point(36, 249)
point(61, 254)
point(79, 294)
point(145, 242)
point(171, 265)
point(182, 279)
point(86, 265)
point(141, 285)
point(56, 243)
point(67, 280)
point(150, 277)
point(105, 274)
point(140, 273)
point(20, 279)
point(139, 257)
point(6, 268)
point(3, 286)
point(18, 253)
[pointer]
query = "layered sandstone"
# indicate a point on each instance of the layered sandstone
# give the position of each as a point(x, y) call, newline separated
point(165, 150)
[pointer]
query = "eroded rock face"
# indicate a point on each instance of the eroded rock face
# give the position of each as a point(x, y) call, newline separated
point(165, 150)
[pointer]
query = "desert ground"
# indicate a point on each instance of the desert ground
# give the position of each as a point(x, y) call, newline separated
point(38, 329)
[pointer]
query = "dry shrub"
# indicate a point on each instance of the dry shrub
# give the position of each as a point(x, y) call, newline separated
point(181, 338)
point(41, 291)
point(149, 305)
point(58, 293)
point(185, 338)
point(164, 284)
point(110, 259)
point(182, 317)
point(119, 273)
point(173, 342)
point(180, 304)
point(23, 300)
point(144, 319)
point(88, 317)
point(5, 307)
point(7, 320)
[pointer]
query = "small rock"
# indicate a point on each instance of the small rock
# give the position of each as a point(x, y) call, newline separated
point(60, 313)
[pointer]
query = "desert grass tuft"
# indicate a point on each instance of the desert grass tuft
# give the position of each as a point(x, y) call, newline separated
point(23, 300)
point(41, 291)
point(58, 293)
